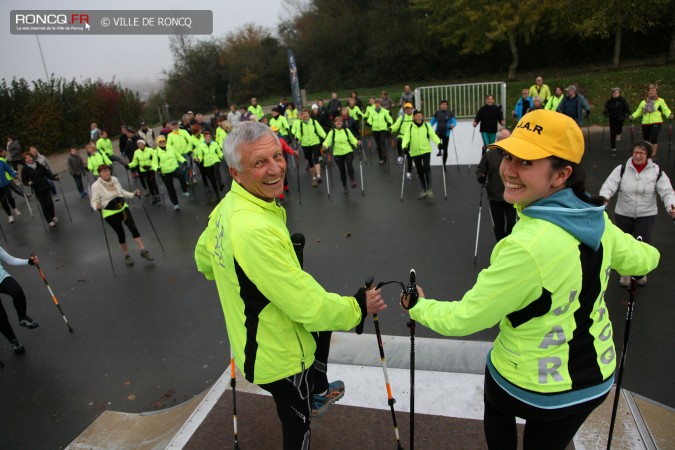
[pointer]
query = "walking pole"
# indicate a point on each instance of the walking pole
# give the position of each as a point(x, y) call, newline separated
point(670, 137)
point(30, 210)
point(632, 134)
point(359, 150)
point(480, 208)
point(65, 202)
point(445, 188)
point(107, 245)
point(588, 131)
point(56, 302)
point(327, 180)
point(153, 227)
point(629, 318)
point(42, 218)
point(386, 155)
point(297, 176)
point(405, 162)
point(233, 384)
point(454, 144)
point(390, 398)
point(411, 289)
point(602, 139)
point(126, 171)
point(3, 234)
point(473, 137)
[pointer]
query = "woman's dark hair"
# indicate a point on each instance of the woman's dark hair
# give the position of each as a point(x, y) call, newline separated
point(576, 181)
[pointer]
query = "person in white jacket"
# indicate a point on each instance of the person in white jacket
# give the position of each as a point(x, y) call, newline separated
point(637, 182)
point(108, 196)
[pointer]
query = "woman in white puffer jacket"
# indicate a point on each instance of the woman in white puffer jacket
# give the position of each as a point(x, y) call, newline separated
point(638, 181)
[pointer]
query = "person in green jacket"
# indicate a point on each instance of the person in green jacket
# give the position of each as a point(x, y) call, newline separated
point(255, 109)
point(178, 141)
point(104, 145)
point(379, 119)
point(309, 134)
point(399, 127)
point(95, 159)
point(416, 138)
point(145, 158)
point(168, 167)
point(280, 122)
point(541, 90)
point(221, 133)
point(343, 142)
point(209, 155)
point(554, 359)
point(652, 109)
point(554, 100)
point(270, 304)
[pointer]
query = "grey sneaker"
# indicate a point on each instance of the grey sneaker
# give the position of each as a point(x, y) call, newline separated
point(146, 254)
point(422, 195)
point(642, 281)
point(430, 194)
point(28, 323)
point(17, 347)
point(624, 281)
point(128, 261)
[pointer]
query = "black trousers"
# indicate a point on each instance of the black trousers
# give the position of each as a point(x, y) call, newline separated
point(381, 143)
point(345, 164)
point(150, 181)
point(423, 166)
point(116, 220)
point(322, 340)
point(293, 396)
point(46, 204)
point(12, 288)
point(212, 173)
point(615, 127)
point(7, 199)
point(503, 218)
point(445, 140)
point(639, 226)
point(650, 133)
point(550, 429)
point(167, 178)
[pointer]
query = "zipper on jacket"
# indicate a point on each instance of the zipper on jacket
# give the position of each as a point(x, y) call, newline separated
point(302, 360)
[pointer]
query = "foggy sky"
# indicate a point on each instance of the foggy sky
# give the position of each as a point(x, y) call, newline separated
point(128, 58)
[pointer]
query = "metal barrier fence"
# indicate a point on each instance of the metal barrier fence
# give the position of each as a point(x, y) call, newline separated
point(463, 99)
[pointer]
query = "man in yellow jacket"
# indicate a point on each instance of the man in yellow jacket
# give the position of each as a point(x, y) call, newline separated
point(270, 304)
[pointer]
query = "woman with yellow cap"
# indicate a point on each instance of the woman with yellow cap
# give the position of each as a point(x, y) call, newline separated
point(553, 361)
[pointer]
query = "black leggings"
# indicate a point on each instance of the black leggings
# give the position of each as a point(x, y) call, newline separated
point(212, 173)
point(551, 429)
point(7, 199)
point(149, 177)
point(423, 166)
point(345, 162)
point(12, 288)
point(503, 218)
point(116, 221)
point(639, 226)
point(381, 143)
point(167, 178)
point(46, 204)
point(445, 140)
point(312, 154)
point(293, 396)
point(650, 133)
point(615, 127)
point(322, 340)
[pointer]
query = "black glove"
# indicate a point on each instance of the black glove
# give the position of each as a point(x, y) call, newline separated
point(31, 260)
point(588, 113)
point(413, 296)
point(360, 297)
point(482, 179)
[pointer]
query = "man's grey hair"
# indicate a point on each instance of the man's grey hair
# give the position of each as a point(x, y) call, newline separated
point(244, 133)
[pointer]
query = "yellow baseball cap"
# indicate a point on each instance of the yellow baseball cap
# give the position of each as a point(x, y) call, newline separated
point(542, 133)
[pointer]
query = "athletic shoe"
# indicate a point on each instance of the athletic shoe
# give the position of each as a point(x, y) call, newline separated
point(146, 254)
point(624, 281)
point(618, 138)
point(176, 207)
point(613, 152)
point(439, 154)
point(422, 195)
point(314, 182)
point(354, 184)
point(83, 194)
point(16, 212)
point(408, 176)
point(55, 219)
point(381, 161)
point(399, 160)
point(155, 199)
point(319, 180)
point(128, 261)
point(186, 194)
point(17, 347)
point(52, 224)
point(430, 194)
point(345, 190)
point(11, 219)
point(320, 403)
point(28, 323)
point(56, 199)
point(642, 281)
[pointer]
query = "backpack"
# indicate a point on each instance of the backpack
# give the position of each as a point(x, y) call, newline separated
point(623, 169)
